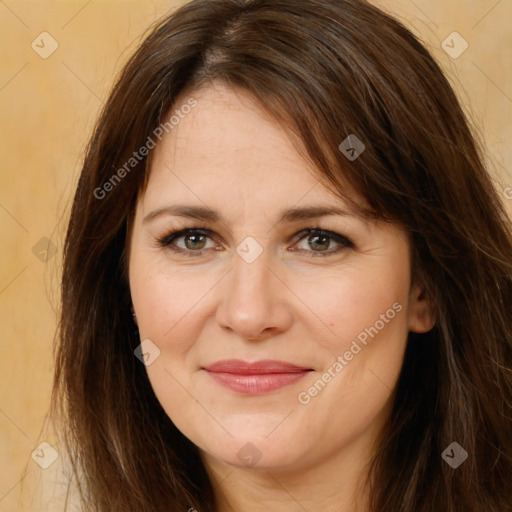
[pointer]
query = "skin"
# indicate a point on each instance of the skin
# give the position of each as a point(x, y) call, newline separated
point(288, 305)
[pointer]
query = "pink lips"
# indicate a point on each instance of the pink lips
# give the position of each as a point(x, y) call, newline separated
point(255, 378)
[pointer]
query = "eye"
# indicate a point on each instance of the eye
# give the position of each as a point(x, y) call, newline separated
point(314, 241)
point(321, 242)
point(190, 242)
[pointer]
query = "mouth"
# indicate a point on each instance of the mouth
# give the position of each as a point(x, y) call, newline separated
point(255, 378)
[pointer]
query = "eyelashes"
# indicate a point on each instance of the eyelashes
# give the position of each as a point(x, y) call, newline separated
point(318, 235)
point(197, 238)
point(169, 240)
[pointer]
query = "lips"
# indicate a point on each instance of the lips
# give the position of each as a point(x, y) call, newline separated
point(257, 377)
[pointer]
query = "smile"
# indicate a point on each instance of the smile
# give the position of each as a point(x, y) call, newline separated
point(255, 378)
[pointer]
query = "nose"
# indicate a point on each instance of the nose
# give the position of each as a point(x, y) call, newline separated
point(254, 303)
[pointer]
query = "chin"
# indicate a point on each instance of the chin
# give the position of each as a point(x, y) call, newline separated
point(255, 451)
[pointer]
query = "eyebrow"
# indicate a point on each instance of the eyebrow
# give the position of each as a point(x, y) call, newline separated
point(207, 214)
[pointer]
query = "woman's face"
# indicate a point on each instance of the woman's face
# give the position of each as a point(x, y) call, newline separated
point(269, 346)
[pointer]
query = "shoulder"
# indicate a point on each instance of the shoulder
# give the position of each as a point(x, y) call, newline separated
point(50, 487)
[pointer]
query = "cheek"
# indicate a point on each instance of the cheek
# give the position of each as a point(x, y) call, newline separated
point(354, 302)
point(168, 305)
point(166, 301)
point(367, 312)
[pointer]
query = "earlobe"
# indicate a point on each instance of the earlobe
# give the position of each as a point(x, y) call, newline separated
point(134, 315)
point(421, 316)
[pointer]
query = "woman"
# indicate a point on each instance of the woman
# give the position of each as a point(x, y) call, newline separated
point(287, 275)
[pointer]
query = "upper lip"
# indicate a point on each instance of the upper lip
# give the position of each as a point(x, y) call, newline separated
point(239, 367)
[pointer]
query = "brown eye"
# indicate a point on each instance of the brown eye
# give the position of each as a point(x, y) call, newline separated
point(319, 242)
point(195, 242)
point(190, 242)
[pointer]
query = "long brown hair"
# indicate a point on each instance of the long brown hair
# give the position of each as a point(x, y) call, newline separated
point(327, 69)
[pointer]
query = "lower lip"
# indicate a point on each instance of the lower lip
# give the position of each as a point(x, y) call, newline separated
point(259, 383)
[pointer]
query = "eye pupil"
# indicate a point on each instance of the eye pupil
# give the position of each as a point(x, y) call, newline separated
point(198, 241)
point(322, 242)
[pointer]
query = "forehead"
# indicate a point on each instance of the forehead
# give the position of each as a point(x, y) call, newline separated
point(229, 147)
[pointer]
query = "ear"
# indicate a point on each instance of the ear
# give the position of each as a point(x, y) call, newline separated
point(421, 316)
point(134, 315)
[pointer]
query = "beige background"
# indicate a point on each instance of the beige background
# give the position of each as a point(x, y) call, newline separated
point(48, 107)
